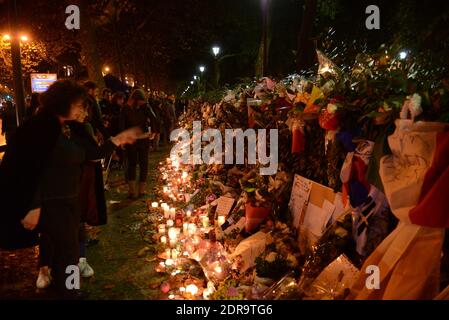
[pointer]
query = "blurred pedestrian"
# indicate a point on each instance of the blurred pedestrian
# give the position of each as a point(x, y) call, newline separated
point(136, 114)
point(106, 98)
point(9, 121)
point(95, 116)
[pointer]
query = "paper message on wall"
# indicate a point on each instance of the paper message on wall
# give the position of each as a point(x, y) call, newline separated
point(299, 198)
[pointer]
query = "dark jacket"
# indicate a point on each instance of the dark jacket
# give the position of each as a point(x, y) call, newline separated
point(20, 171)
point(95, 117)
point(23, 174)
point(135, 117)
point(9, 120)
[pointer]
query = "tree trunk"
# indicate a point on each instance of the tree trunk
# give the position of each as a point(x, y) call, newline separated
point(306, 56)
point(89, 45)
point(118, 51)
point(264, 48)
point(19, 95)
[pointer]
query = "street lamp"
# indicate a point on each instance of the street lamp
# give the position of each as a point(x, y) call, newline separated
point(202, 69)
point(195, 77)
point(107, 69)
point(24, 38)
point(403, 55)
point(216, 51)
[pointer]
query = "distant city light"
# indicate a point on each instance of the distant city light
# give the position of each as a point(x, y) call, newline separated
point(403, 55)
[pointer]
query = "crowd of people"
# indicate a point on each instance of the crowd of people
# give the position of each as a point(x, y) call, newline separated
point(51, 175)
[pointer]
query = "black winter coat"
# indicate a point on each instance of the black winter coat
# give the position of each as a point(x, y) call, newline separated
point(22, 168)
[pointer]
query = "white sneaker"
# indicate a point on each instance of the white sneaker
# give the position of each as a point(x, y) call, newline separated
point(86, 270)
point(44, 278)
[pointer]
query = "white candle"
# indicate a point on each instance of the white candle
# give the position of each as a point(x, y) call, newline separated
point(155, 205)
point(166, 213)
point(172, 234)
point(169, 262)
point(221, 220)
point(189, 213)
point(164, 240)
point(172, 213)
point(161, 228)
point(170, 223)
point(192, 229)
point(185, 228)
point(205, 220)
point(192, 289)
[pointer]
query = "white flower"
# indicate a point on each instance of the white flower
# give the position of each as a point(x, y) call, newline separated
point(415, 105)
point(331, 108)
point(271, 257)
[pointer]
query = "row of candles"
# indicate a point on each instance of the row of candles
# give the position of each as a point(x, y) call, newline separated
point(177, 226)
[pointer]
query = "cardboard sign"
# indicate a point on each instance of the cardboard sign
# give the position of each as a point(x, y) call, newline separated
point(314, 207)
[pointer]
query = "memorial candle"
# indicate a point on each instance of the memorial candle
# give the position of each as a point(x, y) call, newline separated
point(221, 220)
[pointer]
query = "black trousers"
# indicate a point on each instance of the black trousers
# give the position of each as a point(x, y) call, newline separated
point(59, 226)
point(138, 154)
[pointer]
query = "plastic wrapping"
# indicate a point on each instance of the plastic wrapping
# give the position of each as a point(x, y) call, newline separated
point(285, 289)
point(334, 282)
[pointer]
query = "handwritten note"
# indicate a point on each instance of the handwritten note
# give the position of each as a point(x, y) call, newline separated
point(299, 198)
point(224, 206)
